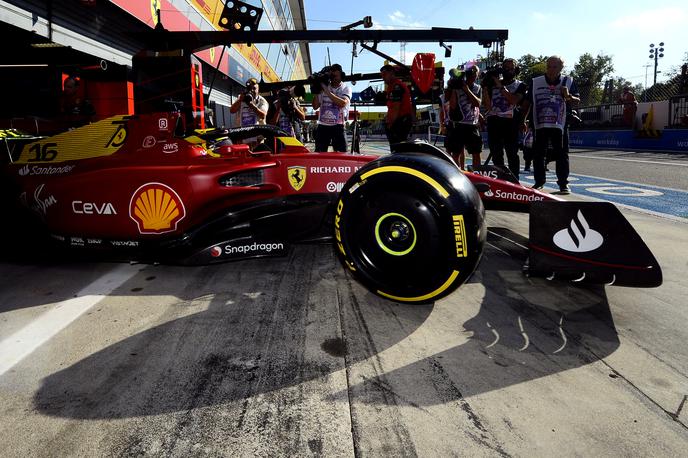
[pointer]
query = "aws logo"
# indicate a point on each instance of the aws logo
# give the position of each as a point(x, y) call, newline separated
point(297, 176)
point(156, 208)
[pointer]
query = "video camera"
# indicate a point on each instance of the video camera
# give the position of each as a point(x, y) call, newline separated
point(319, 78)
point(248, 94)
point(491, 73)
point(457, 77)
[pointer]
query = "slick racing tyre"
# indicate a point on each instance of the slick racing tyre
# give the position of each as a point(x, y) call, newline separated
point(410, 227)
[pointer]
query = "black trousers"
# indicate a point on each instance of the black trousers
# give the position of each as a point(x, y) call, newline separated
point(399, 130)
point(326, 135)
point(502, 135)
point(557, 138)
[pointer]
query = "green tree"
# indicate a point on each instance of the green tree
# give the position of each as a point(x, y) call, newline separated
point(531, 67)
point(589, 72)
point(619, 83)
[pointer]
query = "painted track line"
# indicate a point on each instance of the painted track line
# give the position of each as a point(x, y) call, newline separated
point(632, 183)
point(640, 161)
point(23, 342)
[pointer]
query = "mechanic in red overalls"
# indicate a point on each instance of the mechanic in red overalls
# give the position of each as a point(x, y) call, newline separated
point(399, 117)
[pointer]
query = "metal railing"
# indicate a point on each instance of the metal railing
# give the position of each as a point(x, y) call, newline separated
point(678, 111)
point(606, 116)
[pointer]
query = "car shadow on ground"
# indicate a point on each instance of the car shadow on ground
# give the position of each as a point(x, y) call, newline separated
point(526, 329)
point(273, 324)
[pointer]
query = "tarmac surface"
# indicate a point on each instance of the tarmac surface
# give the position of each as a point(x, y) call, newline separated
point(292, 357)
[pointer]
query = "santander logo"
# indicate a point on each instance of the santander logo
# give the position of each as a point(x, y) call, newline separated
point(578, 237)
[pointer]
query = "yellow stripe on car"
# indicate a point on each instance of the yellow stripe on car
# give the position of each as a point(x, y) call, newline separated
point(424, 297)
point(397, 168)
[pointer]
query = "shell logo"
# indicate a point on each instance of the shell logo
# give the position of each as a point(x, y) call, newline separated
point(156, 208)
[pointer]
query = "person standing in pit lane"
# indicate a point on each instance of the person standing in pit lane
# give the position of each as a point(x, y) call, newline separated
point(252, 108)
point(333, 103)
point(464, 113)
point(502, 99)
point(398, 121)
point(548, 96)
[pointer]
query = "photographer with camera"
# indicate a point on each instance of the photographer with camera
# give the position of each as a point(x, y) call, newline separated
point(399, 119)
point(252, 107)
point(288, 114)
point(548, 96)
point(333, 102)
point(464, 116)
point(504, 93)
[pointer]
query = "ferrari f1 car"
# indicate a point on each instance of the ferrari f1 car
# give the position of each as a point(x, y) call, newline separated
point(409, 225)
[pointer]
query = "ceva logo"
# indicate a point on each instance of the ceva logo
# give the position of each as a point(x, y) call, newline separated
point(578, 237)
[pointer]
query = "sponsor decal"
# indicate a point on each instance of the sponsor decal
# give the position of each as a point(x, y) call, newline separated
point(248, 249)
point(325, 169)
point(41, 204)
point(94, 241)
point(337, 232)
point(58, 237)
point(488, 193)
point(578, 237)
point(45, 170)
point(76, 241)
point(162, 123)
point(91, 208)
point(170, 148)
point(124, 243)
point(156, 208)
point(119, 136)
point(486, 173)
point(149, 142)
point(155, 5)
point(460, 236)
point(297, 176)
point(512, 195)
point(334, 187)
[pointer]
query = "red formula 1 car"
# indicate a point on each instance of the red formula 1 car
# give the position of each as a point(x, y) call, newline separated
point(409, 225)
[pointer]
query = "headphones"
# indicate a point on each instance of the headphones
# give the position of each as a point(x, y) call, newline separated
point(339, 68)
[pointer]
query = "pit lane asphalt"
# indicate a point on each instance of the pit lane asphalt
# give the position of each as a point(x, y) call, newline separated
point(291, 356)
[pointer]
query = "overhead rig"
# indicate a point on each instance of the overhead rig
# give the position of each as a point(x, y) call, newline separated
point(241, 22)
point(195, 41)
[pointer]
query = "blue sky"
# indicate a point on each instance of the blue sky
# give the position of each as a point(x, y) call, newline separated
point(622, 29)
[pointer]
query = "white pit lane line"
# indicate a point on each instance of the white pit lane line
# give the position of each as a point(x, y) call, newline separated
point(23, 342)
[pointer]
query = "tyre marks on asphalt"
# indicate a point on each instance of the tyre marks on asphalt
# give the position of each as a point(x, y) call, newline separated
point(382, 429)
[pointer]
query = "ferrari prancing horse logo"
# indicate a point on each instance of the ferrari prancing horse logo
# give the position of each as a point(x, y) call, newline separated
point(297, 176)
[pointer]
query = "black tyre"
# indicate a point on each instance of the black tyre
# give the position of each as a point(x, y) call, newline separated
point(410, 227)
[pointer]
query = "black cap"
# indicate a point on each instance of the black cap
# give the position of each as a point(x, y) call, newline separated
point(386, 68)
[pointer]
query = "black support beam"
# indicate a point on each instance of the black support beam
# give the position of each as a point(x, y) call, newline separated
point(195, 41)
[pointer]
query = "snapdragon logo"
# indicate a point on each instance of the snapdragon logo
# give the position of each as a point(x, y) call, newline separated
point(578, 237)
point(251, 249)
